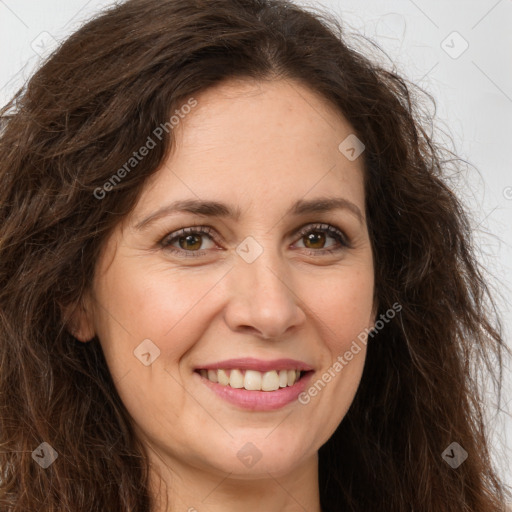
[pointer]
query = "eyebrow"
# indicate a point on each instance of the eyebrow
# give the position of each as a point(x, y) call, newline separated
point(217, 209)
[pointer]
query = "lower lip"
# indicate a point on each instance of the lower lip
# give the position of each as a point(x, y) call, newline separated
point(259, 400)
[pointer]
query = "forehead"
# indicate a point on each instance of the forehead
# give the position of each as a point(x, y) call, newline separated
point(259, 141)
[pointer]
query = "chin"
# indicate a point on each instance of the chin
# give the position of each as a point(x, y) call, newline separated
point(251, 457)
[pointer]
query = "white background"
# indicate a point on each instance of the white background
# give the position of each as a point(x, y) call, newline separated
point(472, 89)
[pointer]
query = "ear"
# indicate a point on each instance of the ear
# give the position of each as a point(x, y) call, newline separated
point(78, 320)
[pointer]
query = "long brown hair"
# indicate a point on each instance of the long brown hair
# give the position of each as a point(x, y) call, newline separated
point(80, 118)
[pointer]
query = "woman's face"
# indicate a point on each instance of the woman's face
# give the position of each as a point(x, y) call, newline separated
point(274, 286)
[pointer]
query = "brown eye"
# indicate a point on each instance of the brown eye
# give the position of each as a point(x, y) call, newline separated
point(314, 239)
point(189, 241)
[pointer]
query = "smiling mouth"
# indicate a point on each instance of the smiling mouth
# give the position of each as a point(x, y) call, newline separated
point(253, 380)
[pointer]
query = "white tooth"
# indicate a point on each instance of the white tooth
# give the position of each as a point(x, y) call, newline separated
point(270, 381)
point(222, 377)
point(236, 379)
point(203, 373)
point(252, 380)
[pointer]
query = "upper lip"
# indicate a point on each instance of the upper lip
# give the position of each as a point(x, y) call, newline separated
point(250, 363)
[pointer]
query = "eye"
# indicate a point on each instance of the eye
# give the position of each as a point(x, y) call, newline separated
point(188, 239)
point(313, 237)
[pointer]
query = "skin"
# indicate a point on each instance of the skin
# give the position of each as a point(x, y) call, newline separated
point(259, 146)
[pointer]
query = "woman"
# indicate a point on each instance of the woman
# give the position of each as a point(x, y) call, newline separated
point(177, 330)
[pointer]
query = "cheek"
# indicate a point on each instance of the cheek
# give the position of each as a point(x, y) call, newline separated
point(167, 307)
point(343, 305)
point(342, 313)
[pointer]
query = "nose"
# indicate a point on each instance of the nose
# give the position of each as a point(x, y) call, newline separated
point(263, 298)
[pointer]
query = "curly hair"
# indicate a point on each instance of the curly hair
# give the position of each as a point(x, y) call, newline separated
point(84, 112)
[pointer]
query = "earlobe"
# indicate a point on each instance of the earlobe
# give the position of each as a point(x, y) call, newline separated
point(78, 320)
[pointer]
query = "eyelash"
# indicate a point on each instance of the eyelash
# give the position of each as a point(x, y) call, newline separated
point(332, 231)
